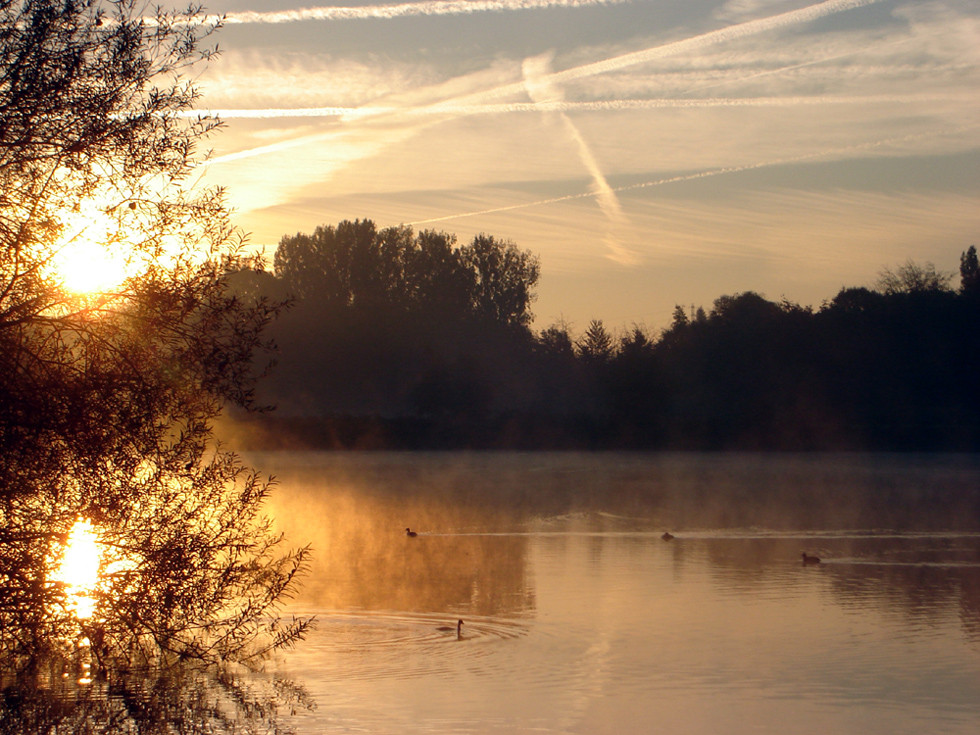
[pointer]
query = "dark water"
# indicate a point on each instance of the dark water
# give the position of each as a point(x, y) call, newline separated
point(579, 618)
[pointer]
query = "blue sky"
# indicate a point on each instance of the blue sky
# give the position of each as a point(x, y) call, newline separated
point(651, 152)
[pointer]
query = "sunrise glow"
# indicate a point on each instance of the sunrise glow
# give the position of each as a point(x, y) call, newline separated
point(87, 267)
point(669, 154)
point(91, 255)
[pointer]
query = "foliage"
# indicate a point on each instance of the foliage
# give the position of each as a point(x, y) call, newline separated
point(912, 277)
point(505, 277)
point(107, 400)
point(596, 346)
point(970, 271)
point(61, 699)
point(556, 341)
point(886, 368)
point(354, 266)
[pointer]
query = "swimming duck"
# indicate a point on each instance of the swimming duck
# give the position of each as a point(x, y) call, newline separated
point(410, 533)
point(810, 559)
point(667, 536)
point(458, 629)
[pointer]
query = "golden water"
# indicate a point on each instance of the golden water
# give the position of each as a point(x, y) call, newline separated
point(579, 618)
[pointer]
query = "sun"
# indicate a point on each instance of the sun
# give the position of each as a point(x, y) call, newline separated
point(89, 257)
point(87, 267)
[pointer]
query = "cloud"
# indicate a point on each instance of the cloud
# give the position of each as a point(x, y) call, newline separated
point(465, 100)
point(396, 128)
point(400, 10)
point(254, 78)
point(611, 64)
point(733, 9)
point(562, 106)
point(823, 154)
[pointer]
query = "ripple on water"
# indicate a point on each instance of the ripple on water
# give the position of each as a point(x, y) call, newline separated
point(373, 633)
point(371, 645)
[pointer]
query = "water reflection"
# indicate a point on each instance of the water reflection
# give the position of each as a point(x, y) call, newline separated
point(580, 618)
point(751, 516)
point(53, 700)
point(363, 558)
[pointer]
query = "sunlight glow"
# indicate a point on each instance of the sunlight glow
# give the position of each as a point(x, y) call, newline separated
point(90, 258)
point(87, 267)
point(79, 568)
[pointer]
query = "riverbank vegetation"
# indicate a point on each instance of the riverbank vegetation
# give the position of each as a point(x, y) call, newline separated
point(128, 537)
point(408, 340)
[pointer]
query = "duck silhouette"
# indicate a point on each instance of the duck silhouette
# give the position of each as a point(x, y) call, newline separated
point(410, 533)
point(810, 559)
point(458, 629)
point(667, 536)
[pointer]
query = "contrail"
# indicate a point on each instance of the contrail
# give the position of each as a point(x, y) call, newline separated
point(400, 10)
point(693, 176)
point(729, 33)
point(740, 30)
point(537, 80)
point(580, 106)
point(793, 67)
point(506, 108)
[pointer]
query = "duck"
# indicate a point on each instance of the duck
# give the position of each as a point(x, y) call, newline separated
point(667, 536)
point(810, 559)
point(410, 533)
point(458, 629)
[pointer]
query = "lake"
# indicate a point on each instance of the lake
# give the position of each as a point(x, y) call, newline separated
point(579, 618)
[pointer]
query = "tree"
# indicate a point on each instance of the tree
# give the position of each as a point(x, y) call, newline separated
point(855, 300)
point(911, 277)
point(338, 265)
point(107, 399)
point(596, 346)
point(969, 271)
point(635, 344)
point(354, 265)
point(300, 264)
point(679, 318)
point(441, 283)
point(555, 341)
point(743, 308)
point(505, 279)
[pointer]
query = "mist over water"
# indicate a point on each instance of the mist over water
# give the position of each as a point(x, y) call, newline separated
point(578, 617)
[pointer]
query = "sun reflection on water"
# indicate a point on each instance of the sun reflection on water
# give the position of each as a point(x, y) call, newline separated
point(79, 568)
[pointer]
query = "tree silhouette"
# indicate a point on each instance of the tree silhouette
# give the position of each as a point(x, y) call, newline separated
point(505, 279)
point(447, 352)
point(912, 277)
point(596, 345)
point(107, 399)
point(556, 342)
point(969, 271)
point(440, 282)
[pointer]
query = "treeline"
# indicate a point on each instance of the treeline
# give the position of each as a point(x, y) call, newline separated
point(398, 339)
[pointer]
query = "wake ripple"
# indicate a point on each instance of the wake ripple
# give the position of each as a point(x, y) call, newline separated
point(340, 630)
point(361, 646)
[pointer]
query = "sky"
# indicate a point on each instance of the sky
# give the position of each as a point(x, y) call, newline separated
point(650, 152)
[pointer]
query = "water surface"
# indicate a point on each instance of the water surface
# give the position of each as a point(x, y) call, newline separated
point(579, 618)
